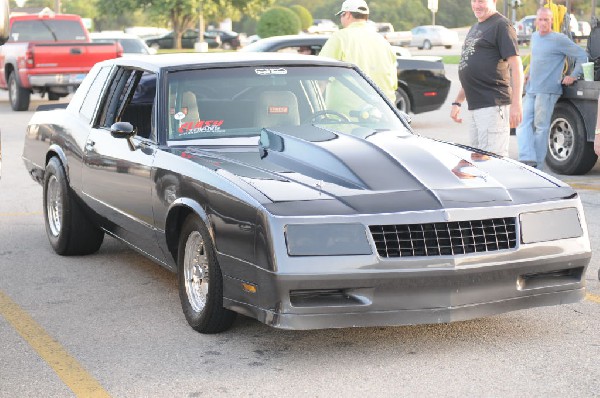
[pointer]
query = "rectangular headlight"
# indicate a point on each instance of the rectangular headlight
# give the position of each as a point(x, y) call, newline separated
point(543, 226)
point(326, 239)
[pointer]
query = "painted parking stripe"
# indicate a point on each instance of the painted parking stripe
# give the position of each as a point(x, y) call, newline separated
point(66, 367)
point(583, 186)
point(593, 297)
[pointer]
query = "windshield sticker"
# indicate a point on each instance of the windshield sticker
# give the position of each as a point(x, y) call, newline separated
point(179, 115)
point(271, 71)
point(278, 110)
point(201, 126)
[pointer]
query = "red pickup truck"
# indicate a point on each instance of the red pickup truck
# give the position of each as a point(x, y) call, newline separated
point(48, 53)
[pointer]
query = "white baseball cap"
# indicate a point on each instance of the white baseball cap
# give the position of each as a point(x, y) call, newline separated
point(359, 6)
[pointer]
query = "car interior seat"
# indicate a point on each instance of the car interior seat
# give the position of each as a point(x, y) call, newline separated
point(277, 108)
point(189, 106)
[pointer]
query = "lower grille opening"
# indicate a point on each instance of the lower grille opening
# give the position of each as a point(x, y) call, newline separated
point(328, 298)
point(551, 278)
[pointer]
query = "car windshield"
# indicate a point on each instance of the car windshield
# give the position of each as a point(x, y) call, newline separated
point(212, 107)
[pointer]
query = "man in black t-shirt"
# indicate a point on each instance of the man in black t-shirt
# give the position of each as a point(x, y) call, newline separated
point(489, 66)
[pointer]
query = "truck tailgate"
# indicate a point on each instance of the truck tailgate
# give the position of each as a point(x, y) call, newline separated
point(74, 56)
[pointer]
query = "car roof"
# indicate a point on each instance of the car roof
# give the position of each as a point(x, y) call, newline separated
point(185, 60)
point(113, 35)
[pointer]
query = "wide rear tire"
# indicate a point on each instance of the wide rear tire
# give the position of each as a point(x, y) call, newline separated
point(69, 229)
point(200, 280)
point(402, 100)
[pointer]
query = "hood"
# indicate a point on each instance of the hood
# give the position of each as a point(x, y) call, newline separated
point(366, 171)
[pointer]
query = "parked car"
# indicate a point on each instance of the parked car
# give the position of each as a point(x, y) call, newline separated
point(422, 82)
point(395, 38)
point(427, 36)
point(131, 44)
point(299, 214)
point(229, 40)
point(525, 27)
point(188, 40)
point(323, 26)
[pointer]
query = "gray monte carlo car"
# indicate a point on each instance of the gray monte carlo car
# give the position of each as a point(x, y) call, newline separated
point(288, 189)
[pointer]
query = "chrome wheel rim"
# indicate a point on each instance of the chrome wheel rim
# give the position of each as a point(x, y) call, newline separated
point(195, 271)
point(401, 104)
point(54, 205)
point(561, 139)
point(13, 90)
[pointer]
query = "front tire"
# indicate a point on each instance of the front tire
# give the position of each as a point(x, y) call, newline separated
point(68, 228)
point(19, 97)
point(569, 152)
point(427, 45)
point(200, 280)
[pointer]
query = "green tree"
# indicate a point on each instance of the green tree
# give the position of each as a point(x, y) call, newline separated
point(181, 15)
point(305, 16)
point(278, 21)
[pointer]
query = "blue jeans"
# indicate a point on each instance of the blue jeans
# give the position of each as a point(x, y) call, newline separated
point(532, 133)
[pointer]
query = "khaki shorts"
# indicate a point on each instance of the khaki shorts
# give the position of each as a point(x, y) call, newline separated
point(490, 129)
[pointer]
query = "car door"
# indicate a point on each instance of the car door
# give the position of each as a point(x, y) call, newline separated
point(118, 172)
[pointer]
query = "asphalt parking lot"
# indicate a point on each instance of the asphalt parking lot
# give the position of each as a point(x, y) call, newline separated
point(110, 324)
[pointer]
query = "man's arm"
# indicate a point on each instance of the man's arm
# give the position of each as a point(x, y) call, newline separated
point(516, 78)
point(572, 50)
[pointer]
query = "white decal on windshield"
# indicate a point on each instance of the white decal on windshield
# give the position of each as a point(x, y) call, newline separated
point(271, 71)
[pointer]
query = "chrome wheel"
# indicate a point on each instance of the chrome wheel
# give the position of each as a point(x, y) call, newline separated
point(54, 205)
point(561, 139)
point(196, 275)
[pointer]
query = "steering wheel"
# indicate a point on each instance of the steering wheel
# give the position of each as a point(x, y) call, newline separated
point(322, 116)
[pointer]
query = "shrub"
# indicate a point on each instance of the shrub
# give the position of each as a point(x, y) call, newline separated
point(305, 16)
point(278, 21)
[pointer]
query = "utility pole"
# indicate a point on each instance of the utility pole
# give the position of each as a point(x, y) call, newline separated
point(433, 6)
point(57, 6)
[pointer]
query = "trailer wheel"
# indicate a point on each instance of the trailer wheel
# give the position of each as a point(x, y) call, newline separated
point(569, 152)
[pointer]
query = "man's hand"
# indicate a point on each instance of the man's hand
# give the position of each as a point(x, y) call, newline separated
point(516, 113)
point(568, 80)
point(455, 114)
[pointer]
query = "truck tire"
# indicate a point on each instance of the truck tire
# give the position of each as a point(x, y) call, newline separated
point(569, 152)
point(19, 96)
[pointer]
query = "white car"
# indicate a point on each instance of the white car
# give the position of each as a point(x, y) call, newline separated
point(323, 26)
point(427, 36)
point(131, 44)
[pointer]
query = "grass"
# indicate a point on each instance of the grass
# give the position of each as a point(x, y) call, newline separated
point(451, 59)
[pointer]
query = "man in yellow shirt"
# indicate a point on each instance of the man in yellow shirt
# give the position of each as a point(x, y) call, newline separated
point(363, 46)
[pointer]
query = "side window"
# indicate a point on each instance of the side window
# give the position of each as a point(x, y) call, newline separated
point(90, 101)
point(130, 98)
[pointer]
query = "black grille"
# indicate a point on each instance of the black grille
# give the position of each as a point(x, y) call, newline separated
point(445, 238)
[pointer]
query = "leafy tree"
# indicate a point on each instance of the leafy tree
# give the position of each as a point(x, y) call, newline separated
point(305, 16)
point(278, 21)
point(183, 14)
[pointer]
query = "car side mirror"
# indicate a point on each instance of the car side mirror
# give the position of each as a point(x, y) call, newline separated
point(124, 130)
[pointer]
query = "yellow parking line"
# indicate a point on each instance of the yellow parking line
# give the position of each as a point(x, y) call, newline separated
point(584, 186)
point(66, 367)
point(593, 297)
